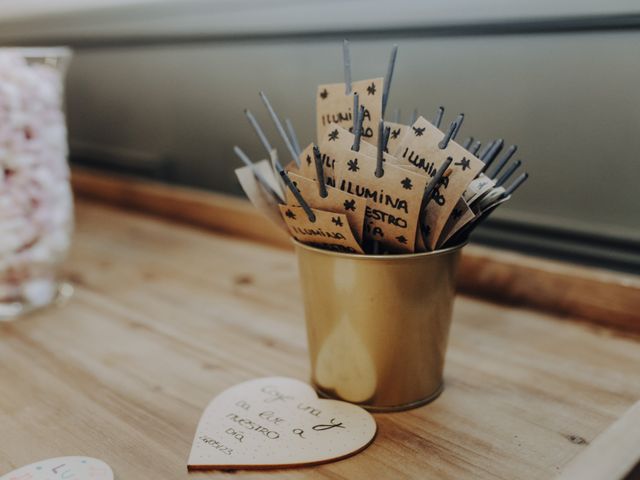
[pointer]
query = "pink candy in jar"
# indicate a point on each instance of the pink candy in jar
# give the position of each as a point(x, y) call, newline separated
point(36, 205)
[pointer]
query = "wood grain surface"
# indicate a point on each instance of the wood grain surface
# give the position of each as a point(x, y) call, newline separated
point(613, 454)
point(165, 316)
point(594, 295)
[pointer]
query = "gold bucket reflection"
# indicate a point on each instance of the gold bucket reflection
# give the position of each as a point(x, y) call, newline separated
point(378, 325)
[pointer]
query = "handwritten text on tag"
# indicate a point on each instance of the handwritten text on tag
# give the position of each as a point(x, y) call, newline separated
point(421, 150)
point(393, 201)
point(329, 230)
point(336, 201)
point(334, 107)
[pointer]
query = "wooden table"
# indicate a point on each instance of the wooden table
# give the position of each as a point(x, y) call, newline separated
point(165, 316)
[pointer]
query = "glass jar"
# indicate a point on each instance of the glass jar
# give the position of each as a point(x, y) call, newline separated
point(36, 204)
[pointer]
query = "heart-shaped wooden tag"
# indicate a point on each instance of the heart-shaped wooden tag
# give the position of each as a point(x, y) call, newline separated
point(277, 422)
point(60, 468)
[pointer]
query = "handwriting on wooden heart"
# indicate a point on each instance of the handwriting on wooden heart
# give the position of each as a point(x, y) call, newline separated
point(277, 422)
point(61, 468)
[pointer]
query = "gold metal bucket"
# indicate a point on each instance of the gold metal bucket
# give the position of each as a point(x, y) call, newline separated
point(378, 325)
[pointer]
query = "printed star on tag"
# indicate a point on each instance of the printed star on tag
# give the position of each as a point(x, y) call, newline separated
point(406, 183)
point(401, 239)
point(371, 89)
point(353, 165)
point(418, 131)
point(337, 221)
point(333, 136)
point(464, 163)
point(324, 94)
point(350, 205)
point(395, 133)
point(290, 214)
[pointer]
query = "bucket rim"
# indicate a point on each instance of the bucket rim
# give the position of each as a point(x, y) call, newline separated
point(365, 257)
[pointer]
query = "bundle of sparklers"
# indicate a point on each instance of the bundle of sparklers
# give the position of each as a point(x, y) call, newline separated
point(373, 186)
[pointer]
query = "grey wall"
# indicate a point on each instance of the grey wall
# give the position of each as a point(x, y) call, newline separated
point(565, 92)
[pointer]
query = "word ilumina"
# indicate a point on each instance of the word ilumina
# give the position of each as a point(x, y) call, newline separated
point(377, 196)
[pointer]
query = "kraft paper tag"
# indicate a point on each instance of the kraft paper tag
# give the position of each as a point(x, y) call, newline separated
point(460, 216)
point(63, 468)
point(336, 147)
point(258, 195)
point(393, 201)
point(308, 167)
point(334, 107)
point(336, 201)
point(278, 422)
point(396, 136)
point(341, 139)
point(420, 149)
point(480, 216)
point(330, 230)
point(477, 188)
point(307, 162)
